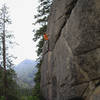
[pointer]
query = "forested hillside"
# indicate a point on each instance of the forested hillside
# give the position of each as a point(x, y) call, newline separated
point(25, 73)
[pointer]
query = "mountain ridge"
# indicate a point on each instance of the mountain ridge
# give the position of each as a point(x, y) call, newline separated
point(25, 71)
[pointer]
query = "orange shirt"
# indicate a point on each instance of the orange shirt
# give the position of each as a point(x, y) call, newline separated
point(45, 36)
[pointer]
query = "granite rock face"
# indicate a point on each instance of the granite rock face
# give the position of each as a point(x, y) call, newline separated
point(71, 68)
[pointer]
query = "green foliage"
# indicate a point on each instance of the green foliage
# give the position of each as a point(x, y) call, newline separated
point(37, 76)
point(39, 33)
point(4, 33)
point(2, 98)
point(27, 98)
point(30, 98)
point(23, 98)
point(35, 98)
point(11, 90)
point(40, 47)
point(43, 11)
point(41, 18)
point(7, 83)
point(36, 90)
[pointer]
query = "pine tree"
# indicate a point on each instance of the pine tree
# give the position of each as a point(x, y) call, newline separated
point(5, 37)
point(42, 19)
point(3, 21)
point(6, 62)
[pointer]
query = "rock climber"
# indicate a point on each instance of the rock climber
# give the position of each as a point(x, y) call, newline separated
point(46, 38)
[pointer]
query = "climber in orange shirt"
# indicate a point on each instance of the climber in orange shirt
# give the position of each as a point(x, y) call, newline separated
point(45, 36)
point(46, 40)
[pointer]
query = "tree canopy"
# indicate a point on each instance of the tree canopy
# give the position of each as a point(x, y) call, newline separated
point(41, 19)
point(7, 74)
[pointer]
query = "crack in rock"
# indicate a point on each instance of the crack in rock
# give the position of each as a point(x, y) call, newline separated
point(70, 7)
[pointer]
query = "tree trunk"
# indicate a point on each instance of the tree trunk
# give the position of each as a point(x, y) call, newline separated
point(4, 59)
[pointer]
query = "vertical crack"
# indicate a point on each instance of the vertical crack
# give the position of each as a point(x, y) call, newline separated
point(69, 8)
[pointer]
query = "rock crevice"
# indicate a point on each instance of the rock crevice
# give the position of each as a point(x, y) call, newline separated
point(71, 67)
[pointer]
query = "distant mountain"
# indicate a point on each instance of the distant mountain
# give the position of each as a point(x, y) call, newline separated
point(25, 73)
